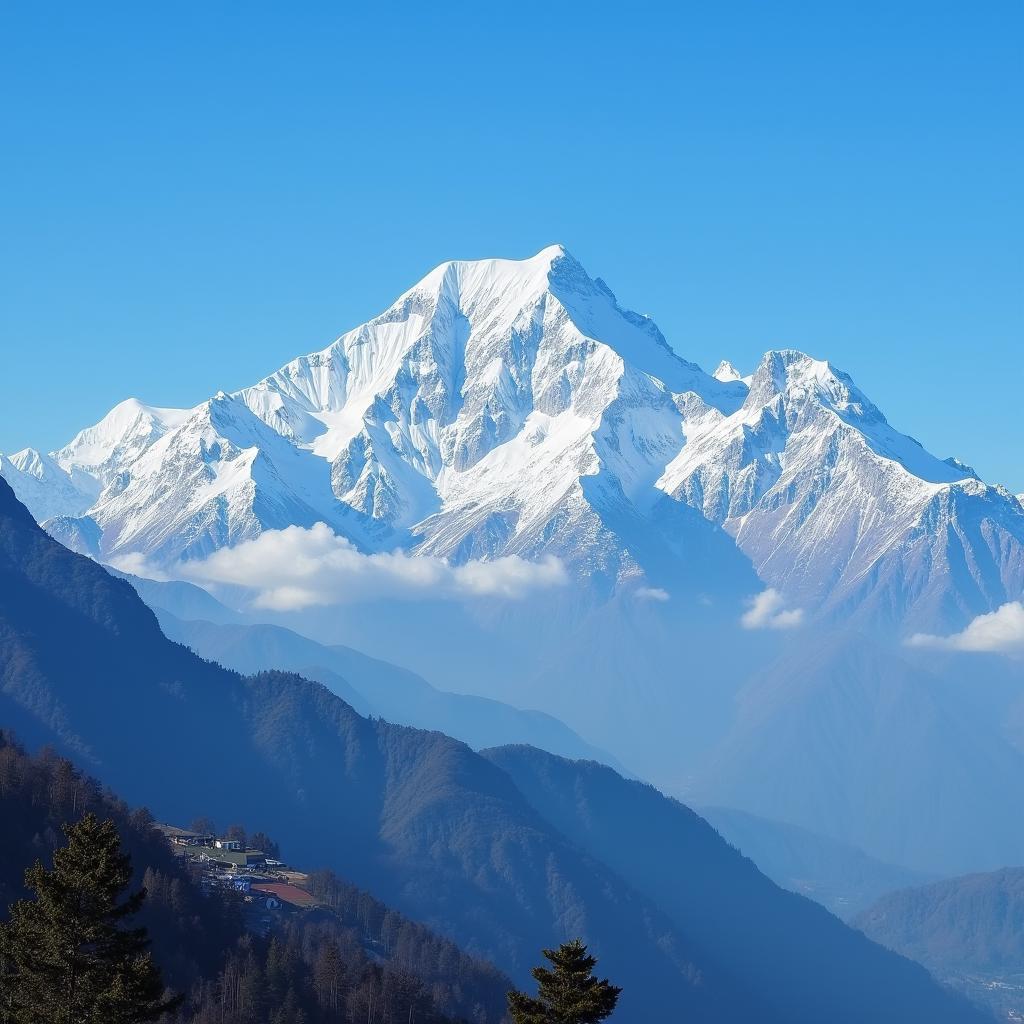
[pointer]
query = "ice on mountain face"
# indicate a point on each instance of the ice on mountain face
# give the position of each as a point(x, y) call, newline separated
point(471, 405)
point(220, 477)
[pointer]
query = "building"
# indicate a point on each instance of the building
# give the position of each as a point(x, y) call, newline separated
point(237, 859)
point(284, 892)
point(230, 854)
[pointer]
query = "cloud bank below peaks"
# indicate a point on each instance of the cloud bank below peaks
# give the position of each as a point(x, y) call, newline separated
point(768, 610)
point(298, 568)
point(998, 632)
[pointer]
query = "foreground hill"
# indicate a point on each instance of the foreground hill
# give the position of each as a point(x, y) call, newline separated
point(771, 941)
point(319, 964)
point(442, 833)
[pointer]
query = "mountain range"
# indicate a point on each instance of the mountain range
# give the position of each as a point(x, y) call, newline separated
point(467, 844)
point(502, 407)
point(513, 486)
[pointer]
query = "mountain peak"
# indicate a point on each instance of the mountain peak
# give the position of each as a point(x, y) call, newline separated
point(522, 277)
point(118, 437)
point(794, 373)
point(31, 460)
point(726, 372)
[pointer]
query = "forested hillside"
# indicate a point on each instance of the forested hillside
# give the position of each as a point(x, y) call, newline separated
point(357, 960)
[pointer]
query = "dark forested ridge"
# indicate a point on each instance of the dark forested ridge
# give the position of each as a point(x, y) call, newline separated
point(359, 957)
point(437, 831)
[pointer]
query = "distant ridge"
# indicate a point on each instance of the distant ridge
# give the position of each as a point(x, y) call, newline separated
point(442, 833)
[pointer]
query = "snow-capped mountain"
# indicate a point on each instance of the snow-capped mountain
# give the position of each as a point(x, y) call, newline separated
point(840, 511)
point(513, 407)
point(505, 408)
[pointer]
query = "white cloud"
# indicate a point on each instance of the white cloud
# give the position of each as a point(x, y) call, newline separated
point(998, 632)
point(134, 563)
point(298, 568)
point(768, 610)
point(651, 594)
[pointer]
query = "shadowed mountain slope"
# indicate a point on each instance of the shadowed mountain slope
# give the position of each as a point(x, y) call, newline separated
point(445, 835)
point(772, 941)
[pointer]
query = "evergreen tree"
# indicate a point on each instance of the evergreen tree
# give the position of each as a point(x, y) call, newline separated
point(261, 841)
point(204, 826)
point(65, 956)
point(567, 994)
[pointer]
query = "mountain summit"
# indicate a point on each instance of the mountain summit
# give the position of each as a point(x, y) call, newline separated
point(513, 407)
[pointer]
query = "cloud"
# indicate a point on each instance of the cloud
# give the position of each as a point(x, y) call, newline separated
point(768, 610)
point(298, 568)
point(651, 594)
point(998, 632)
point(135, 564)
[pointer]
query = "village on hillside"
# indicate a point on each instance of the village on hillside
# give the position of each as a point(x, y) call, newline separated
point(266, 884)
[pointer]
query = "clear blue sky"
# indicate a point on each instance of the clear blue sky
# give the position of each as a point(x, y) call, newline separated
point(190, 195)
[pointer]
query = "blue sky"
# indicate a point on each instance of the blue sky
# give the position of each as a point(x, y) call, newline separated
point(190, 195)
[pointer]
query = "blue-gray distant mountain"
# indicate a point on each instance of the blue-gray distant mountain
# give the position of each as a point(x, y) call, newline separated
point(375, 687)
point(839, 876)
point(968, 931)
point(445, 835)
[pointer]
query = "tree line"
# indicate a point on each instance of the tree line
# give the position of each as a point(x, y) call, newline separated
point(74, 951)
point(312, 966)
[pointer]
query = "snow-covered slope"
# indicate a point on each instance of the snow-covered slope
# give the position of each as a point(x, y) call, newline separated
point(105, 450)
point(475, 411)
point(840, 511)
point(41, 484)
point(497, 407)
point(513, 407)
point(220, 477)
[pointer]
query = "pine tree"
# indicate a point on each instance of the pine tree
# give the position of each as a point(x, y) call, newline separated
point(568, 994)
point(65, 956)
